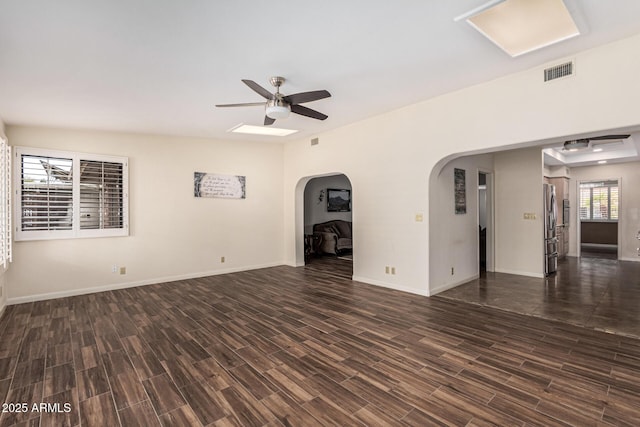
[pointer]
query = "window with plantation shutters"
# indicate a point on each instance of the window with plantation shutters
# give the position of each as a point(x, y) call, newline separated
point(599, 201)
point(68, 195)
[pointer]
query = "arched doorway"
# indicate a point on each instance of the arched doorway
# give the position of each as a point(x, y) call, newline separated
point(328, 224)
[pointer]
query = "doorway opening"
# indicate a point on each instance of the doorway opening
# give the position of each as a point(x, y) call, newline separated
point(598, 215)
point(485, 223)
point(328, 225)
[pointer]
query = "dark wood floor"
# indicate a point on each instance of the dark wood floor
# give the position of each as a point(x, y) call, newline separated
point(333, 265)
point(602, 294)
point(294, 347)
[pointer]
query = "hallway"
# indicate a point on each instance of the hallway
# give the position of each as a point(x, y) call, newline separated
point(601, 294)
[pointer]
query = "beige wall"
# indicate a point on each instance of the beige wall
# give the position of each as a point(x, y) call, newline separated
point(389, 158)
point(453, 242)
point(629, 210)
point(173, 234)
point(519, 241)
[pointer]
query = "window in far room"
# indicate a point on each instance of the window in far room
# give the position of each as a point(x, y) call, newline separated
point(599, 201)
point(69, 195)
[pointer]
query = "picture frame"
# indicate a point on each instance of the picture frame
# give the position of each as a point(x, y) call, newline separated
point(460, 191)
point(338, 200)
point(219, 186)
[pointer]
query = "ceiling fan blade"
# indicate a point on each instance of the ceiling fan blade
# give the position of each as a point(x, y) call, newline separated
point(600, 138)
point(304, 111)
point(246, 104)
point(258, 89)
point(268, 121)
point(302, 97)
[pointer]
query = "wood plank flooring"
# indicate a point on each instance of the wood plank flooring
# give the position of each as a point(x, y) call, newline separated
point(293, 347)
point(330, 265)
point(601, 294)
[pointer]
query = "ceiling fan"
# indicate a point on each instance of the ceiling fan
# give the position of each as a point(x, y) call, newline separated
point(579, 144)
point(278, 106)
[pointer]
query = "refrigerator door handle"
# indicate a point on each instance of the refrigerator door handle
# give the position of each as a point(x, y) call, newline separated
point(554, 212)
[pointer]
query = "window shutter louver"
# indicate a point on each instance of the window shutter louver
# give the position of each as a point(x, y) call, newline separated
point(47, 193)
point(5, 197)
point(585, 203)
point(101, 195)
point(613, 192)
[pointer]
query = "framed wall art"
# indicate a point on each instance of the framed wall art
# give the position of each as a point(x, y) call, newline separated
point(338, 200)
point(216, 185)
point(460, 191)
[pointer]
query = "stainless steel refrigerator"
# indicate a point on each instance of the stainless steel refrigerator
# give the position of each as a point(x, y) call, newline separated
point(550, 221)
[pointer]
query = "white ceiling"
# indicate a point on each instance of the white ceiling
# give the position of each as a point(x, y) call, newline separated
point(159, 66)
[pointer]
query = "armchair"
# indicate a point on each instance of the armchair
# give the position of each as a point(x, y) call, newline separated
point(332, 237)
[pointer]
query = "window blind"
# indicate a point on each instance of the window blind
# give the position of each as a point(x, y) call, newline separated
point(5, 201)
point(585, 203)
point(600, 203)
point(47, 193)
point(613, 193)
point(101, 195)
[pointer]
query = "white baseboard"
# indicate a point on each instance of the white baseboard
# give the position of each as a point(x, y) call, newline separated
point(521, 273)
point(447, 286)
point(111, 287)
point(637, 259)
point(390, 286)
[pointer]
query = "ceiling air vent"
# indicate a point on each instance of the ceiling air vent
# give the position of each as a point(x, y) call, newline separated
point(558, 71)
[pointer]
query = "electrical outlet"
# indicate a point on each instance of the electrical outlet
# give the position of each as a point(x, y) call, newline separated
point(123, 270)
point(393, 270)
point(114, 268)
point(386, 269)
point(419, 217)
point(221, 259)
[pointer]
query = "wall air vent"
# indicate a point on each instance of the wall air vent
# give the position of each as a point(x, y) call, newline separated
point(562, 70)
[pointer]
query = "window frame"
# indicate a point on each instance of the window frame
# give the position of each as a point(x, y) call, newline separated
point(75, 232)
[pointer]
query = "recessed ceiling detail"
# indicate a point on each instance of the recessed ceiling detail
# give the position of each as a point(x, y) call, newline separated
point(522, 26)
point(615, 148)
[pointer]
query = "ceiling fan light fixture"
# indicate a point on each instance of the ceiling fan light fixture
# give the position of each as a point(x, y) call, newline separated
point(576, 144)
point(277, 109)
